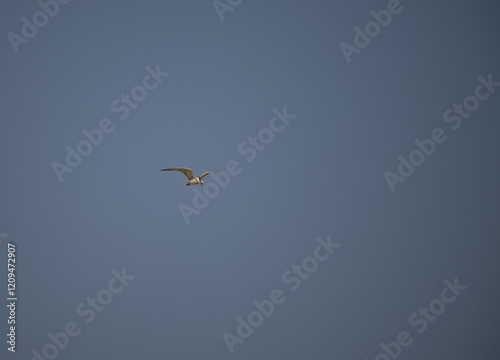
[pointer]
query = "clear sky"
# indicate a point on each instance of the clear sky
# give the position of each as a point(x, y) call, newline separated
point(360, 204)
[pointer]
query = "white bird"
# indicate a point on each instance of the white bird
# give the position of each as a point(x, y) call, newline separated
point(192, 180)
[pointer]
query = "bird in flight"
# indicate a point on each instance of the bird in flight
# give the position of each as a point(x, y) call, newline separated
point(192, 180)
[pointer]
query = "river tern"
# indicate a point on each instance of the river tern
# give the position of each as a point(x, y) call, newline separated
point(192, 180)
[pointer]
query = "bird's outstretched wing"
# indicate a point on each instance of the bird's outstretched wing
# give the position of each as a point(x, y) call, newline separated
point(185, 171)
point(204, 174)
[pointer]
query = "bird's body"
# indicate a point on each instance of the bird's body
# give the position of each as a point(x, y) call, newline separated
point(192, 180)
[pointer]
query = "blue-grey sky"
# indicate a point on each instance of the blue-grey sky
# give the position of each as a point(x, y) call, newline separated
point(334, 117)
